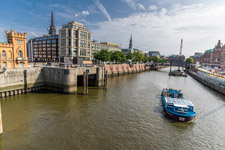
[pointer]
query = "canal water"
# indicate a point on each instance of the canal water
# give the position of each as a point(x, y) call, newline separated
point(128, 115)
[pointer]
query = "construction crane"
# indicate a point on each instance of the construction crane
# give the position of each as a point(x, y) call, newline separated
point(181, 46)
point(34, 34)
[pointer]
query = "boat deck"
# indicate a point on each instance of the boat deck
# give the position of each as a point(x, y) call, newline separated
point(179, 102)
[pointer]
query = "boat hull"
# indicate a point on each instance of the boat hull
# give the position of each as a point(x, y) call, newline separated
point(179, 117)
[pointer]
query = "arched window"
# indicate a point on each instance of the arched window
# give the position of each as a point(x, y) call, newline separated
point(3, 54)
point(20, 54)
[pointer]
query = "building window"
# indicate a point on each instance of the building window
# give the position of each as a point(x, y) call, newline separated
point(20, 54)
point(63, 33)
point(21, 65)
point(83, 52)
point(3, 54)
point(75, 43)
point(69, 33)
point(69, 42)
point(4, 65)
point(75, 51)
point(63, 42)
point(74, 34)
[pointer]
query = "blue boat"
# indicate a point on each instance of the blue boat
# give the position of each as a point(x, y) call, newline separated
point(176, 107)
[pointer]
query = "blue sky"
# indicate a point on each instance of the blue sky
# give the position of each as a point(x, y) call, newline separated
point(154, 24)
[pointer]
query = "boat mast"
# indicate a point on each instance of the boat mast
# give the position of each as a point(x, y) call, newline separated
point(181, 45)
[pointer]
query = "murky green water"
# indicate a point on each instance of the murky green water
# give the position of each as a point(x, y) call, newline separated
point(128, 115)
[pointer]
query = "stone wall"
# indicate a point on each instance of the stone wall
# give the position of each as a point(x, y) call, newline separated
point(17, 81)
point(125, 69)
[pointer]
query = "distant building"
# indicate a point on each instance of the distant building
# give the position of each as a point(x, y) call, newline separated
point(154, 54)
point(197, 54)
point(74, 43)
point(212, 57)
point(177, 60)
point(137, 50)
point(44, 49)
point(126, 50)
point(13, 54)
point(95, 46)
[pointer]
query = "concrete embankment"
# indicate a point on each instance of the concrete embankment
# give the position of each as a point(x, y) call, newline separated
point(19, 81)
point(211, 81)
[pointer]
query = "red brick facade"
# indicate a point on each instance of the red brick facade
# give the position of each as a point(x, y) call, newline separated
point(215, 56)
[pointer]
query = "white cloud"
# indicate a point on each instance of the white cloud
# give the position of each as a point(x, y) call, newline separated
point(153, 7)
point(103, 10)
point(85, 13)
point(140, 6)
point(199, 25)
point(130, 3)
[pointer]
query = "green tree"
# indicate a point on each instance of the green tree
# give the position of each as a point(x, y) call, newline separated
point(118, 56)
point(190, 60)
point(155, 59)
point(102, 55)
point(145, 59)
point(138, 56)
point(130, 55)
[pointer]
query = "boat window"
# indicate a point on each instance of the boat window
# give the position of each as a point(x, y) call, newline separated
point(180, 96)
point(170, 105)
point(172, 95)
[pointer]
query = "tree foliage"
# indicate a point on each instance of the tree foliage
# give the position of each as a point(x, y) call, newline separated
point(137, 56)
point(130, 55)
point(102, 55)
point(145, 59)
point(190, 60)
point(118, 56)
point(155, 59)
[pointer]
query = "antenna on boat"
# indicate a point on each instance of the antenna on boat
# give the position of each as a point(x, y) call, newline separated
point(181, 46)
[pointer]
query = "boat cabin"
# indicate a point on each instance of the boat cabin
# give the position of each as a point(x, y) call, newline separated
point(179, 105)
point(173, 94)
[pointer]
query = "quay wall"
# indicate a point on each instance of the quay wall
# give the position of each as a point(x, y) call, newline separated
point(19, 81)
point(119, 69)
point(217, 86)
point(122, 69)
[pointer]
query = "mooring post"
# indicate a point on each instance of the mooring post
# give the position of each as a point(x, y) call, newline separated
point(186, 68)
point(25, 81)
point(170, 65)
point(105, 79)
point(84, 83)
point(1, 128)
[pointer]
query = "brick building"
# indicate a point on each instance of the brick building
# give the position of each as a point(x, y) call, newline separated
point(212, 57)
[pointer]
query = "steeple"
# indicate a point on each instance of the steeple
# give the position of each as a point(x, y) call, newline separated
point(52, 30)
point(130, 44)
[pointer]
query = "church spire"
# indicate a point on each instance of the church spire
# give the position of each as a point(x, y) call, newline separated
point(52, 30)
point(130, 44)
